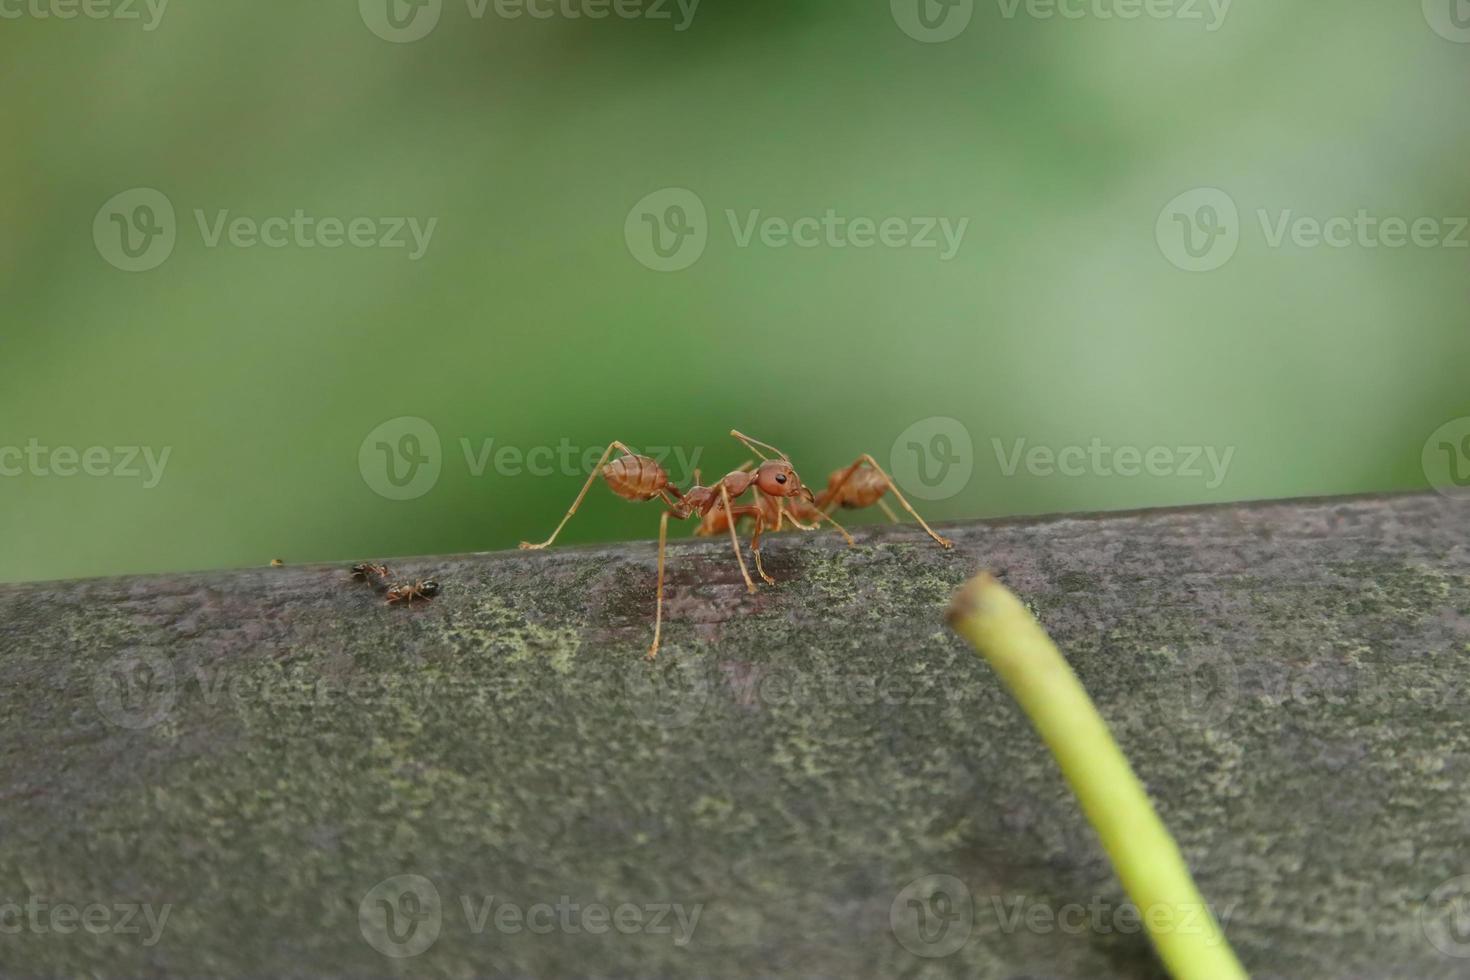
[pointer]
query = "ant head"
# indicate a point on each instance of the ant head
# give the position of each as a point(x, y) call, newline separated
point(430, 588)
point(776, 478)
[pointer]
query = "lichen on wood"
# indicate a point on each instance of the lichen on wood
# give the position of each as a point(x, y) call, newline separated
point(811, 767)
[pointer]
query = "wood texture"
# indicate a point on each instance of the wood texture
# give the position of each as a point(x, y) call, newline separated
point(259, 749)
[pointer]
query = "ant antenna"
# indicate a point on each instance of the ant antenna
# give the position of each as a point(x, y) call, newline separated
point(753, 444)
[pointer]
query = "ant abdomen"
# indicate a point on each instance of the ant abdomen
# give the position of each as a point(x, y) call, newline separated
point(636, 477)
point(860, 488)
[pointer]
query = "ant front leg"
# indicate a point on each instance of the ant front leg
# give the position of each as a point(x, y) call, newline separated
point(755, 545)
point(596, 471)
point(734, 538)
point(836, 488)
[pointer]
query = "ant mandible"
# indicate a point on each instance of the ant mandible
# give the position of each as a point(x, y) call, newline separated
point(641, 478)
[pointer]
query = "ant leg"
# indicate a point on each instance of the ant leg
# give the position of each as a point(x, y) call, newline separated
point(883, 506)
point(943, 542)
point(833, 521)
point(658, 616)
point(596, 471)
point(783, 516)
point(734, 539)
point(755, 547)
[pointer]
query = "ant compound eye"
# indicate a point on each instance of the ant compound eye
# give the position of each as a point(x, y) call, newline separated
point(780, 477)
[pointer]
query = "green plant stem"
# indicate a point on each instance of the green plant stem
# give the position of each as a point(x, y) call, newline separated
point(1182, 927)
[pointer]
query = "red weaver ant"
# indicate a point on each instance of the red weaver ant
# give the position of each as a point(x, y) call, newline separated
point(852, 487)
point(775, 481)
point(773, 513)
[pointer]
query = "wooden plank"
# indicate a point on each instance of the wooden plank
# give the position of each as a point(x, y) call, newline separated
point(258, 750)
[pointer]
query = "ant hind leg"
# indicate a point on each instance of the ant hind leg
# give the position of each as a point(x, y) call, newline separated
point(596, 471)
point(658, 616)
point(940, 540)
point(833, 521)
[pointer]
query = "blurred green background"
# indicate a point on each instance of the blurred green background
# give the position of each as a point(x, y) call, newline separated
point(533, 317)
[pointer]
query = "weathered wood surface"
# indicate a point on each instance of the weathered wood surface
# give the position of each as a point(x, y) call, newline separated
point(259, 749)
